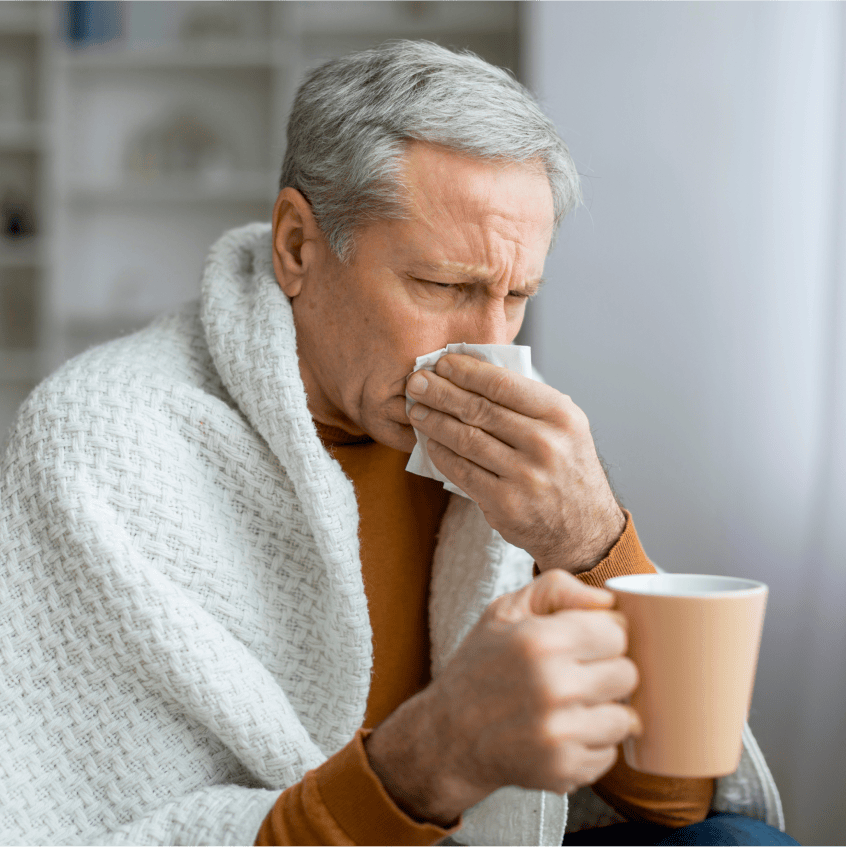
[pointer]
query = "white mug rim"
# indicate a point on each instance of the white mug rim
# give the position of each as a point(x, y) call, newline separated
point(639, 584)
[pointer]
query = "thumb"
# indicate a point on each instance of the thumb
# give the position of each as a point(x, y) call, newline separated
point(556, 590)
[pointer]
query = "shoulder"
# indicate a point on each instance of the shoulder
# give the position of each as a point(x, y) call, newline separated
point(151, 386)
point(169, 355)
point(171, 350)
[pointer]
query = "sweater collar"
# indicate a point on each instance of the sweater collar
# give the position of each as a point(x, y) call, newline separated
point(333, 435)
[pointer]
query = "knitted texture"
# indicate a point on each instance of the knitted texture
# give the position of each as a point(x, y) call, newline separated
point(183, 624)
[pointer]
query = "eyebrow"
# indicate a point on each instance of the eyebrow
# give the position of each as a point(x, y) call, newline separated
point(476, 275)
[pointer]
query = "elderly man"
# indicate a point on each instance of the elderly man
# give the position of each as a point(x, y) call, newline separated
point(229, 615)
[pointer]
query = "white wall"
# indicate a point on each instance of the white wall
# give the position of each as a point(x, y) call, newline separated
point(690, 316)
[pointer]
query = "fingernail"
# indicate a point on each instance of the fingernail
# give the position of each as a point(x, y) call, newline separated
point(444, 368)
point(637, 726)
point(418, 412)
point(417, 383)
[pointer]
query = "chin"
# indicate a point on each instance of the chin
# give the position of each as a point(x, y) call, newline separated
point(388, 424)
point(396, 435)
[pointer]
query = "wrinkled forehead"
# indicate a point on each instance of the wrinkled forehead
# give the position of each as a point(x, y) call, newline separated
point(435, 177)
point(483, 206)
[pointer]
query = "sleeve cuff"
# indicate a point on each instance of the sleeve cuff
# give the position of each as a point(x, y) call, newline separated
point(357, 800)
point(626, 557)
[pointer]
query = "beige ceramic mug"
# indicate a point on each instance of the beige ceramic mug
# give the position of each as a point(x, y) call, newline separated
point(695, 641)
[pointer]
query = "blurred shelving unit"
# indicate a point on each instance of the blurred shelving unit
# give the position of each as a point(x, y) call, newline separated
point(25, 150)
point(157, 126)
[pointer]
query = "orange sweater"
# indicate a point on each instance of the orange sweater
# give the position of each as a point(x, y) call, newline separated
point(342, 801)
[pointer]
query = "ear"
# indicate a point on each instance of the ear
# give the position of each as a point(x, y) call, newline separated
point(296, 238)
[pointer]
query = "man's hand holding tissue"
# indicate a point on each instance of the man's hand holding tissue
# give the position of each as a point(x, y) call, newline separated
point(524, 452)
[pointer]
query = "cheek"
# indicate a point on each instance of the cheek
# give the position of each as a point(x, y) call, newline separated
point(411, 332)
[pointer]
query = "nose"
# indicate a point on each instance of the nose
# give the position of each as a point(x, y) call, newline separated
point(488, 325)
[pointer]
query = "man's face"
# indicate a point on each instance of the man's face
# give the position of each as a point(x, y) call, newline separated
point(459, 270)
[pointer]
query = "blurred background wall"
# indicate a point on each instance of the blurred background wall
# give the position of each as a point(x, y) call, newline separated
point(697, 302)
point(697, 315)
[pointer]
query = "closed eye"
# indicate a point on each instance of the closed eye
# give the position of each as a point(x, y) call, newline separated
point(459, 286)
point(432, 282)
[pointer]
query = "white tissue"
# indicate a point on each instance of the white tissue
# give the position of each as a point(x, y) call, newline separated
point(515, 358)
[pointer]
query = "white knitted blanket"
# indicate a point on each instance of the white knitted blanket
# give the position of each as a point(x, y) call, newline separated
point(183, 625)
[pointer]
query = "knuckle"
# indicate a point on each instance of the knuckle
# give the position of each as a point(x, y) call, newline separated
point(572, 416)
point(579, 420)
point(477, 410)
point(561, 409)
point(467, 439)
point(557, 578)
point(500, 385)
point(534, 478)
point(546, 449)
point(439, 395)
point(462, 475)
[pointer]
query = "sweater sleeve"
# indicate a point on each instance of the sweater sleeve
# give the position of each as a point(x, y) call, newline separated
point(343, 802)
point(639, 796)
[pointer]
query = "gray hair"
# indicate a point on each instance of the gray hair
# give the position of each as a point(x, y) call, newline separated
point(353, 118)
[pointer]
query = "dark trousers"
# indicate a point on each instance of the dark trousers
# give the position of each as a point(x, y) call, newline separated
point(718, 828)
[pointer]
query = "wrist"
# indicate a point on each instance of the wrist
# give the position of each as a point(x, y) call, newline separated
point(405, 753)
point(591, 552)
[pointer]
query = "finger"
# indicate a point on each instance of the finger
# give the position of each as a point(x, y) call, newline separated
point(556, 590)
point(435, 392)
point(597, 727)
point(519, 393)
point(585, 635)
point(475, 481)
point(470, 442)
point(584, 765)
point(600, 681)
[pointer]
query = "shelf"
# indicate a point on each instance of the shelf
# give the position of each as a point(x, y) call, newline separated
point(211, 56)
point(249, 188)
point(23, 253)
point(19, 366)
